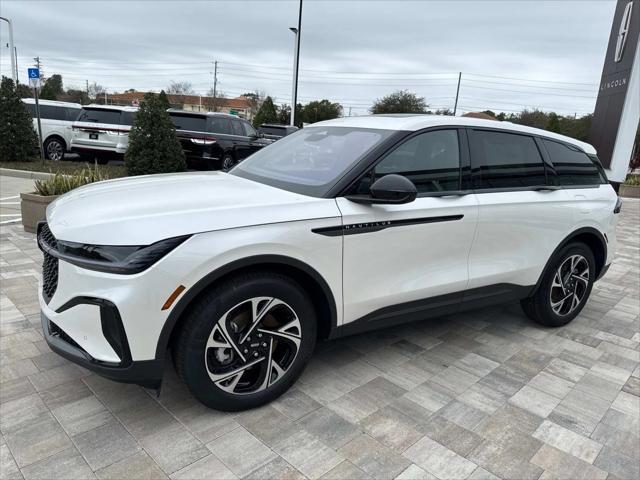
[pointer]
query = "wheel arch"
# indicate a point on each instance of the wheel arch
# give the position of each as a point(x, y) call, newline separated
point(308, 278)
point(59, 137)
point(591, 237)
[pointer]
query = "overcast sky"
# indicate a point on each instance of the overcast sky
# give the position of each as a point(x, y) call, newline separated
point(512, 54)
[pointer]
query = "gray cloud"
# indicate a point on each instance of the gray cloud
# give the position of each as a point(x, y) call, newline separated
point(352, 51)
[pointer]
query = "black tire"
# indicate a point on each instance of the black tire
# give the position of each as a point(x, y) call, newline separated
point(102, 160)
point(192, 358)
point(539, 307)
point(228, 162)
point(54, 148)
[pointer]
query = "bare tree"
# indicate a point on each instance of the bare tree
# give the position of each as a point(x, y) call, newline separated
point(180, 88)
point(213, 104)
point(255, 101)
point(96, 91)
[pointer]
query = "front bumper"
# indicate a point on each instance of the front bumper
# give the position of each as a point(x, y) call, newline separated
point(147, 373)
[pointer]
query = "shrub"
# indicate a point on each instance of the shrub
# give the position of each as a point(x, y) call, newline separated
point(59, 184)
point(18, 140)
point(632, 180)
point(153, 144)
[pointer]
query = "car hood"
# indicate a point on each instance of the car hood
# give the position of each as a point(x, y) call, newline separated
point(143, 210)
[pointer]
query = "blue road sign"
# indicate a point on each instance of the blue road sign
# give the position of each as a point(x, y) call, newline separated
point(34, 73)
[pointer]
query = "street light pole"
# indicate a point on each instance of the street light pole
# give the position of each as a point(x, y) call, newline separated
point(296, 64)
point(14, 71)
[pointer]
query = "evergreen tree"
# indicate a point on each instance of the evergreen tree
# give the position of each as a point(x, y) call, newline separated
point(266, 114)
point(320, 110)
point(153, 144)
point(52, 88)
point(18, 139)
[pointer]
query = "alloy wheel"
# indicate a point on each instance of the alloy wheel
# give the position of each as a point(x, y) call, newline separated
point(253, 345)
point(570, 285)
point(228, 163)
point(55, 151)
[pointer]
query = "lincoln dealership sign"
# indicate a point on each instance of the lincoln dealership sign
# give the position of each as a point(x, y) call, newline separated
point(617, 111)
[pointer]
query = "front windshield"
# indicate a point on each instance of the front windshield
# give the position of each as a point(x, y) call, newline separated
point(310, 160)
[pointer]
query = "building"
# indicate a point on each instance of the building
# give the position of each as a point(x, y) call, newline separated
point(240, 106)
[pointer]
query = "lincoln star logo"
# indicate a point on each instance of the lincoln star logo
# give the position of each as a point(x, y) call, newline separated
point(623, 33)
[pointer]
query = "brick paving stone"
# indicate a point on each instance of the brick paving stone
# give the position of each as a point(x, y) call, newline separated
point(483, 394)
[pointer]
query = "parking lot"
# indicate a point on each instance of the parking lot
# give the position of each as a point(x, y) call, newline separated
point(483, 394)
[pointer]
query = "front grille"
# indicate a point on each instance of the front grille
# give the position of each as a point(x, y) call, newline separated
point(50, 263)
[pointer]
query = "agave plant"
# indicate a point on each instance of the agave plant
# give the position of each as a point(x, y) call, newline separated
point(59, 184)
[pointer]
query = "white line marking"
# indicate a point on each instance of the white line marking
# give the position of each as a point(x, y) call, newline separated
point(9, 203)
point(9, 198)
point(10, 215)
point(11, 221)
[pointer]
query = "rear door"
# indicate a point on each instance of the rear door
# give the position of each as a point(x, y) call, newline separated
point(241, 143)
point(396, 256)
point(521, 218)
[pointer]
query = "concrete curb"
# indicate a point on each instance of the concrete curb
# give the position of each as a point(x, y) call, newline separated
point(10, 172)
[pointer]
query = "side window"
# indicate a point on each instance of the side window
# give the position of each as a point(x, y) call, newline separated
point(573, 167)
point(220, 125)
point(72, 114)
point(249, 131)
point(505, 160)
point(48, 112)
point(430, 160)
point(32, 109)
point(236, 128)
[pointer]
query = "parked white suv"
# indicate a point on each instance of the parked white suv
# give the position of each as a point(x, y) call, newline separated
point(102, 131)
point(56, 119)
point(344, 226)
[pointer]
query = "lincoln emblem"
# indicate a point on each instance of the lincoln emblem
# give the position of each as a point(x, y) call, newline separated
point(623, 32)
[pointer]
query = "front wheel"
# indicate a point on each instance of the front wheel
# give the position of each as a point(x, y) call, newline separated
point(246, 342)
point(565, 287)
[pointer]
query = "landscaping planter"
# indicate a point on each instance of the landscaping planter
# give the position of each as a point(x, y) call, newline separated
point(34, 209)
point(630, 191)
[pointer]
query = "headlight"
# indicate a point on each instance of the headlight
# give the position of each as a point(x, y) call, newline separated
point(124, 260)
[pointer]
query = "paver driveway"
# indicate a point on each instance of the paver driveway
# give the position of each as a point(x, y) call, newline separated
point(476, 395)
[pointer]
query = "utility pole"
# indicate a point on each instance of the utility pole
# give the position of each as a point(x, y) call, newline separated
point(37, 64)
point(14, 68)
point(215, 86)
point(15, 53)
point(349, 111)
point(296, 65)
point(87, 85)
point(455, 107)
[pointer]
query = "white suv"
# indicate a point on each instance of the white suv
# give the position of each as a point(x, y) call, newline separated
point(102, 131)
point(56, 119)
point(342, 227)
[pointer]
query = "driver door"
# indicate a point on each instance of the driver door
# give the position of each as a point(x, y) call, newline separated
point(397, 258)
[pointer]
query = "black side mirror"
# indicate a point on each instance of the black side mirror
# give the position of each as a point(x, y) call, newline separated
point(390, 189)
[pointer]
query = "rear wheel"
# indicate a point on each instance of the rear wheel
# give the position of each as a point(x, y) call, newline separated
point(246, 342)
point(565, 287)
point(54, 149)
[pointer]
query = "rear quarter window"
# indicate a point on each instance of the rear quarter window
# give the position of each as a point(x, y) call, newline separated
point(572, 166)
